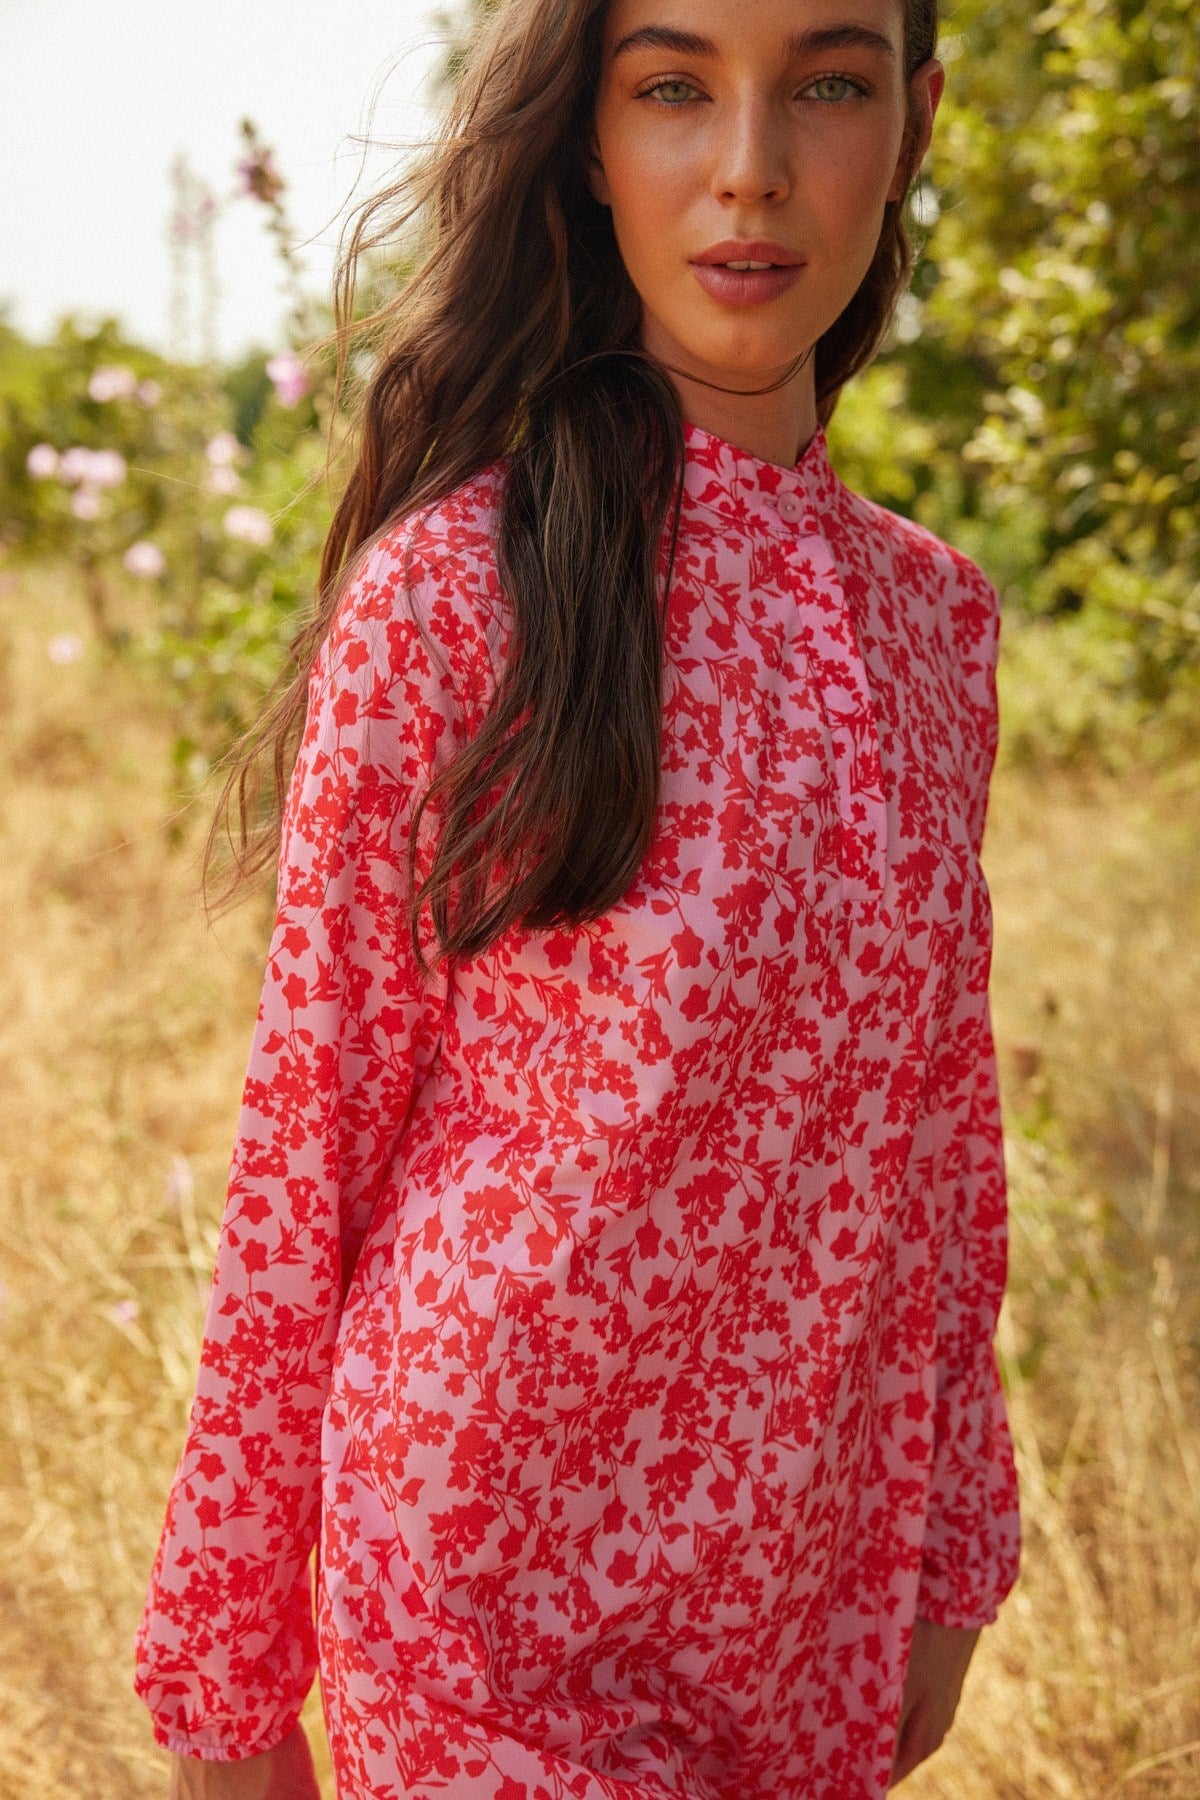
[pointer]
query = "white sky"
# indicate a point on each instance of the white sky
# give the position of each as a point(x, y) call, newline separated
point(98, 96)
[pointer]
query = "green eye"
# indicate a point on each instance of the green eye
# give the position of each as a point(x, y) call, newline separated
point(672, 93)
point(842, 83)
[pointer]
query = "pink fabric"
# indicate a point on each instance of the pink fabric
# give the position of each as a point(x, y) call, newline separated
point(615, 1310)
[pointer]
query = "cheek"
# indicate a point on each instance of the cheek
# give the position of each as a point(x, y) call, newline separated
point(846, 213)
point(848, 200)
point(651, 184)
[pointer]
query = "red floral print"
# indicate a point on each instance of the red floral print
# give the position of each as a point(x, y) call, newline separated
point(613, 1312)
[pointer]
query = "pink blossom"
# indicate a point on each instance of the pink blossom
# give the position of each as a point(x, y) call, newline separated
point(124, 1312)
point(289, 378)
point(80, 466)
point(74, 465)
point(42, 462)
point(109, 469)
point(144, 560)
point(86, 503)
point(223, 450)
point(258, 176)
point(66, 648)
point(223, 481)
point(113, 381)
point(182, 229)
point(149, 393)
point(249, 525)
point(195, 205)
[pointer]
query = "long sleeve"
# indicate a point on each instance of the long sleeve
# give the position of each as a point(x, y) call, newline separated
point(346, 1030)
point(972, 1536)
point(972, 1542)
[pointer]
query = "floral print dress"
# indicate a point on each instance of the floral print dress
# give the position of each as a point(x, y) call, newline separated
point(613, 1312)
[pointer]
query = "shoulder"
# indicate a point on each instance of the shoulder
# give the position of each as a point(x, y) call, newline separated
point(421, 604)
point(945, 610)
point(445, 553)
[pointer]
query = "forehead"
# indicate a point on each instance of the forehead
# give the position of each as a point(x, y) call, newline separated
point(726, 24)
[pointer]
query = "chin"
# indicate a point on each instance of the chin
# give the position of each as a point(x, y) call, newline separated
point(750, 347)
point(758, 363)
point(740, 350)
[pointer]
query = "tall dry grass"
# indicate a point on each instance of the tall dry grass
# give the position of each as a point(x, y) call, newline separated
point(124, 1026)
point(124, 1029)
point(1089, 1685)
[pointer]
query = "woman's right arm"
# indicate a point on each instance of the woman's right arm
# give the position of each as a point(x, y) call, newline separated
point(347, 1029)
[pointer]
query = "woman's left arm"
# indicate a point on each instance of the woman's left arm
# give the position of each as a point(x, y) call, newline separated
point(972, 1529)
point(937, 1666)
point(972, 1533)
point(971, 1549)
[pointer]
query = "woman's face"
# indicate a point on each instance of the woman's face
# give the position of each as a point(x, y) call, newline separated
point(761, 131)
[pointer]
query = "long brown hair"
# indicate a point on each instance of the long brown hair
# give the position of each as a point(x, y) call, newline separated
point(518, 336)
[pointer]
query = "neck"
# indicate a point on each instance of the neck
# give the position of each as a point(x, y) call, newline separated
point(776, 427)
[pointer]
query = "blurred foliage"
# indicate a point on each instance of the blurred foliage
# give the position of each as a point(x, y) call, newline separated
point(1035, 404)
point(1062, 268)
point(197, 536)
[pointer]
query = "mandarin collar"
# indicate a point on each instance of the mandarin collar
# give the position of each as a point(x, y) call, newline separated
point(747, 492)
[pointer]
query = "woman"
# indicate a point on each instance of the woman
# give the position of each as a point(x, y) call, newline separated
point(616, 1229)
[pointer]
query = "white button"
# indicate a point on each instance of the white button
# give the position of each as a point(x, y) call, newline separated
point(791, 508)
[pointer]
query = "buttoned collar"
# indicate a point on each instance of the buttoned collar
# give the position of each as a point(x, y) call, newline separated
point(764, 496)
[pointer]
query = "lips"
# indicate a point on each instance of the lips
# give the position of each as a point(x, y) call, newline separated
point(748, 250)
point(723, 273)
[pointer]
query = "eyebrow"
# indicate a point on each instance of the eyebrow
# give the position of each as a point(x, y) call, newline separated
point(819, 38)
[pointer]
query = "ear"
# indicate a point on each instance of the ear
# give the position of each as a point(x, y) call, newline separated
point(597, 179)
point(925, 91)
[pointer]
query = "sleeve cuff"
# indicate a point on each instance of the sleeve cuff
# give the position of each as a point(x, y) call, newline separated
point(968, 1598)
point(938, 1611)
point(208, 1750)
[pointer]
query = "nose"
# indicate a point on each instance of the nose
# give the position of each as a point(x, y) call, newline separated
point(751, 163)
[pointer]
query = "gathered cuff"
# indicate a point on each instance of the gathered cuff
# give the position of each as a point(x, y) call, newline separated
point(179, 1743)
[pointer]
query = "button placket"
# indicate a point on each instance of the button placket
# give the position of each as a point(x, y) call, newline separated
point(793, 509)
point(787, 514)
point(840, 678)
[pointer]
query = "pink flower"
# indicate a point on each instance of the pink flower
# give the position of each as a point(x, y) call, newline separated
point(113, 381)
point(223, 481)
point(222, 452)
point(149, 393)
point(74, 465)
point(42, 462)
point(223, 449)
point(182, 228)
point(109, 469)
point(124, 1312)
point(144, 560)
point(66, 648)
point(289, 378)
point(259, 178)
point(86, 503)
point(80, 466)
point(249, 525)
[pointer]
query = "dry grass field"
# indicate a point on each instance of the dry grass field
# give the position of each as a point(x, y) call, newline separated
point(124, 1027)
